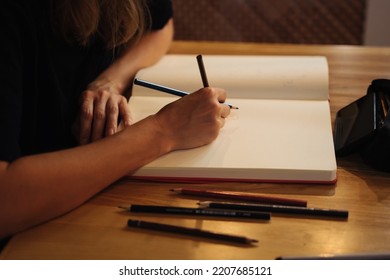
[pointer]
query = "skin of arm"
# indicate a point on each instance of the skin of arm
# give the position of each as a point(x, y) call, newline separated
point(37, 188)
point(104, 99)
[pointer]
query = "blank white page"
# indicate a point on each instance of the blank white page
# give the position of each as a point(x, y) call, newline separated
point(267, 139)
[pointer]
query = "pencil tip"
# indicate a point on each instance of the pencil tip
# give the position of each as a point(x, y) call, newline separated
point(123, 207)
point(204, 203)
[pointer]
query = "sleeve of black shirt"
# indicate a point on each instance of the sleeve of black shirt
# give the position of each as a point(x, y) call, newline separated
point(161, 12)
point(10, 80)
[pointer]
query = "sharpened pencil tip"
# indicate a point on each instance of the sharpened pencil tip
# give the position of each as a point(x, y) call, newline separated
point(204, 203)
point(233, 107)
point(123, 207)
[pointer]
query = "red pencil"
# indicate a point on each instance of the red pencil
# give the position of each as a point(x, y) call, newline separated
point(243, 196)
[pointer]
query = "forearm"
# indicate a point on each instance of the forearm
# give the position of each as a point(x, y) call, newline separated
point(146, 52)
point(37, 188)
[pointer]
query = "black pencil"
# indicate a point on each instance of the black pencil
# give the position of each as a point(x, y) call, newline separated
point(169, 90)
point(161, 88)
point(202, 70)
point(203, 75)
point(197, 211)
point(294, 210)
point(190, 231)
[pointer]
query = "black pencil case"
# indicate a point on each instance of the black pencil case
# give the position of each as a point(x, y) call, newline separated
point(364, 126)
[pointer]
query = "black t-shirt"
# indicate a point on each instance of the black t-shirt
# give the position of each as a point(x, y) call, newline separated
point(41, 77)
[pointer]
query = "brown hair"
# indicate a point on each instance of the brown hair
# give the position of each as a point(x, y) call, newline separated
point(116, 22)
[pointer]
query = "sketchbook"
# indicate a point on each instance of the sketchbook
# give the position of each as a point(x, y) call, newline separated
point(280, 133)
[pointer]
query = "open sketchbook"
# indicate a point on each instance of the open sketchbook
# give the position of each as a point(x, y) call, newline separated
point(281, 133)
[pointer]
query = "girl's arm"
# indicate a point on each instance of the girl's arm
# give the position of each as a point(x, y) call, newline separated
point(34, 189)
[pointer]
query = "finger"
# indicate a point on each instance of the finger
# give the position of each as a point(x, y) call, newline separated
point(221, 122)
point(86, 118)
point(225, 111)
point(221, 96)
point(99, 116)
point(112, 112)
point(125, 112)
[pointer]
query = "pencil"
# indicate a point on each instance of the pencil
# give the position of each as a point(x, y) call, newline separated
point(292, 210)
point(202, 70)
point(169, 90)
point(161, 88)
point(197, 211)
point(243, 197)
point(190, 231)
point(203, 75)
point(355, 256)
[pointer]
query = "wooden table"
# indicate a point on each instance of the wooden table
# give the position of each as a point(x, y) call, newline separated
point(97, 229)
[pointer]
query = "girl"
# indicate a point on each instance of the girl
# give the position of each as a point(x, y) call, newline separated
point(66, 67)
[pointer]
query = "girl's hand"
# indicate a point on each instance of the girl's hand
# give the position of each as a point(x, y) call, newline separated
point(101, 107)
point(193, 120)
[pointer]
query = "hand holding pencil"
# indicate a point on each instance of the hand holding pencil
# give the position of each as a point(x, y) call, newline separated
point(194, 120)
point(191, 121)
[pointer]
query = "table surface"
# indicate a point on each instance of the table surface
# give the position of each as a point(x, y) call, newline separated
point(97, 229)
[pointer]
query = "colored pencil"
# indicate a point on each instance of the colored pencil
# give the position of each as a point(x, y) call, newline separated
point(242, 196)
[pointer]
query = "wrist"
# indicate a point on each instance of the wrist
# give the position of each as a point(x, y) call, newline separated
point(164, 139)
point(104, 82)
point(149, 134)
point(118, 77)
